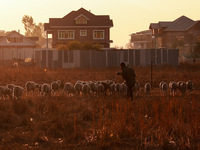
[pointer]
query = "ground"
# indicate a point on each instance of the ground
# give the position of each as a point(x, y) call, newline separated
point(106, 122)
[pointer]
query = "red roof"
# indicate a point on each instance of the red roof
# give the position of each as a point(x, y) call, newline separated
point(68, 20)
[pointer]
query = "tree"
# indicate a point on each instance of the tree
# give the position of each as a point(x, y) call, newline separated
point(76, 45)
point(32, 29)
point(197, 49)
point(129, 45)
point(2, 33)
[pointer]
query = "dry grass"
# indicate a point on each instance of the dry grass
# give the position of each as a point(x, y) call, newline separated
point(107, 122)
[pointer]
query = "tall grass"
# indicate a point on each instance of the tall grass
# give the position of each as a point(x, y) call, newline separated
point(106, 122)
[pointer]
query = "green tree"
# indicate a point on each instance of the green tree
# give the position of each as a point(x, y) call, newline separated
point(76, 45)
point(33, 29)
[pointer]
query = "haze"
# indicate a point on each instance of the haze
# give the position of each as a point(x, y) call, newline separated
point(129, 16)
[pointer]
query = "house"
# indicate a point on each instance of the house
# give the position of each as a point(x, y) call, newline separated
point(142, 40)
point(182, 33)
point(16, 46)
point(80, 25)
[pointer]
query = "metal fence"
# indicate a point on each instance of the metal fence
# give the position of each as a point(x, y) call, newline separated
point(48, 58)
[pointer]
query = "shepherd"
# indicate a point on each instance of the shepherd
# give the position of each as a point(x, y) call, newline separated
point(128, 74)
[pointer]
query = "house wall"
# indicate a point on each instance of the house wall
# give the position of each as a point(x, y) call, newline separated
point(89, 37)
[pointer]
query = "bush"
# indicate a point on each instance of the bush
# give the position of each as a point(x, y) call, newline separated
point(76, 45)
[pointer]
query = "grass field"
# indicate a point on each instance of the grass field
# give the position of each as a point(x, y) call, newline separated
point(106, 122)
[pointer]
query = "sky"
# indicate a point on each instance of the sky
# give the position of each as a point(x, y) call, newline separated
point(129, 16)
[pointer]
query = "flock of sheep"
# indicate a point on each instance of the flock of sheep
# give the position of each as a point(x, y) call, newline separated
point(84, 88)
point(180, 87)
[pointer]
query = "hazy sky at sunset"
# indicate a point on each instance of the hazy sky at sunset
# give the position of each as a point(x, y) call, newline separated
point(129, 16)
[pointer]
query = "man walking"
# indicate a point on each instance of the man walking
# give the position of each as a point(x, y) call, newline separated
point(128, 74)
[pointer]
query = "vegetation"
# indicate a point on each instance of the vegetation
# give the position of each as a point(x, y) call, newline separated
point(106, 122)
point(33, 29)
point(197, 49)
point(76, 45)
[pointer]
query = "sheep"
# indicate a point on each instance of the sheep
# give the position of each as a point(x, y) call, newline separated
point(173, 87)
point(118, 88)
point(147, 88)
point(136, 88)
point(10, 86)
point(160, 85)
point(78, 87)
point(55, 86)
point(45, 90)
point(94, 88)
point(121, 88)
point(163, 87)
point(112, 89)
point(189, 85)
point(86, 89)
point(2, 92)
point(18, 92)
point(183, 88)
point(69, 89)
point(124, 88)
point(7, 92)
point(106, 85)
point(101, 89)
point(31, 86)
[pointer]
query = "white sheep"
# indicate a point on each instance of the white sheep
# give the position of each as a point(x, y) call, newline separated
point(121, 88)
point(189, 85)
point(18, 92)
point(7, 93)
point(173, 88)
point(118, 88)
point(2, 89)
point(182, 88)
point(112, 89)
point(86, 89)
point(45, 90)
point(10, 86)
point(160, 85)
point(78, 87)
point(136, 88)
point(124, 88)
point(55, 86)
point(69, 89)
point(31, 86)
point(94, 88)
point(101, 89)
point(164, 88)
point(106, 85)
point(147, 88)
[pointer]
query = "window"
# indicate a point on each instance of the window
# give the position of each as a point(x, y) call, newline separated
point(180, 38)
point(81, 20)
point(98, 34)
point(83, 32)
point(68, 56)
point(66, 34)
point(14, 39)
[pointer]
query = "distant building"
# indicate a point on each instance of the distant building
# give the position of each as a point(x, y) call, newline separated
point(142, 40)
point(182, 33)
point(80, 25)
point(16, 46)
